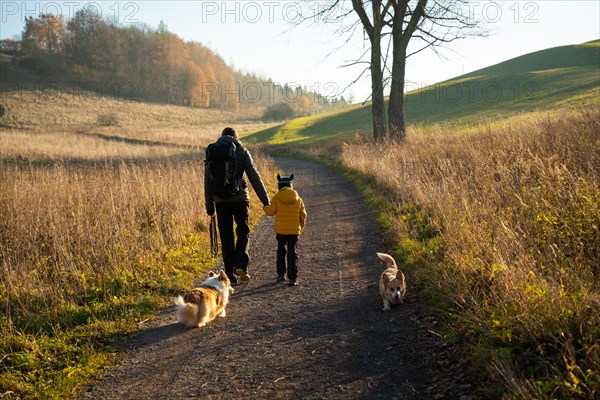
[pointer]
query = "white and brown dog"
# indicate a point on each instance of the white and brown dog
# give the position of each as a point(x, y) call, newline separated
point(392, 285)
point(204, 303)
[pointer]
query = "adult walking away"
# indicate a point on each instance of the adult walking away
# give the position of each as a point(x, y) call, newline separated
point(226, 190)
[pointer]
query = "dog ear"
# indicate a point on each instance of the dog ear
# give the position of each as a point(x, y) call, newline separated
point(278, 177)
point(385, 279)
point(291, 177)
point(212, 274)
point(222, 275)
point(400, 276)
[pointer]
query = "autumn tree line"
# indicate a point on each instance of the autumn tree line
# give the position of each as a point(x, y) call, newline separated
point(138, 62)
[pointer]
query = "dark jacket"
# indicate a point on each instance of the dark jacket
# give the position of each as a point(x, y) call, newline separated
point(244, 164)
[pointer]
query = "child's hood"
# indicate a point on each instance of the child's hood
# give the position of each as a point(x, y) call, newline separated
point(287, 195)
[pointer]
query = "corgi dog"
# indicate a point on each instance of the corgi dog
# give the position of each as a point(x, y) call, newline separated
point(204, 303)
point(392, 285)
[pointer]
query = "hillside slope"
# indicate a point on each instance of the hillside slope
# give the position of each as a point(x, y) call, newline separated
point(582, 55)
point(566, 76)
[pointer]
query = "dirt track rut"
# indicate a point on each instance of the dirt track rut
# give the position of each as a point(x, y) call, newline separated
point(325, 339)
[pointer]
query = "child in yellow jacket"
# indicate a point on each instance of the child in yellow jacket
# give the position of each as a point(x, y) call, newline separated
point(290, 217)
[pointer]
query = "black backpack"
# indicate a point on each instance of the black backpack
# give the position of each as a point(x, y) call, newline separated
point(221, 168)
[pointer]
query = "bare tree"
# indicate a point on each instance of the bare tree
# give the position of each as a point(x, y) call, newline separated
point(427, 23)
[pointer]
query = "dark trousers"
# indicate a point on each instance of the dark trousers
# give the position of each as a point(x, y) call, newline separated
point(235, 254)
point(287, 251)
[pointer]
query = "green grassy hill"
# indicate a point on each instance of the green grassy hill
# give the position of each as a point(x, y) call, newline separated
point(566, 76)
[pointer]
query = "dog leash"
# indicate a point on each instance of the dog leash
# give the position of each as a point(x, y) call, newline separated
point(214, 240)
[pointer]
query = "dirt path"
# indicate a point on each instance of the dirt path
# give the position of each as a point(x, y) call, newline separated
point(325, 339)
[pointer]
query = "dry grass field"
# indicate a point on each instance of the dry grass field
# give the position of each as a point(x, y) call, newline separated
point(28, 109)
point(66, 115)
point(101, 219)
point(501, 228)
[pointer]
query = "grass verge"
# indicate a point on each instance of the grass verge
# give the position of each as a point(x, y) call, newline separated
point(498, 229)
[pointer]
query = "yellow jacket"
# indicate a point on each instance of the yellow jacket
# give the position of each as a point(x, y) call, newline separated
point(289, 212)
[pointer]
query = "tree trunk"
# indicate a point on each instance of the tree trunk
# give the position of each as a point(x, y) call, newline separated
point(378, 103)
point(401, 35)
point(396, 117)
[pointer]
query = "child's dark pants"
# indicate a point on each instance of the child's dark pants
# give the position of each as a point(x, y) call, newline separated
point(290, 242)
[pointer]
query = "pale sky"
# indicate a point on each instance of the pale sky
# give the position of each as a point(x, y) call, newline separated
point(258, 36)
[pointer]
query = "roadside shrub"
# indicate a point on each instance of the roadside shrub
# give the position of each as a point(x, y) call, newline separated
point(278, 112)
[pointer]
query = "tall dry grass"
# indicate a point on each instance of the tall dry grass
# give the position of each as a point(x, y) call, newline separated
point(66, 232)
point(71, 232)
point(505, 223)
point(85, 251)
point(101, 219)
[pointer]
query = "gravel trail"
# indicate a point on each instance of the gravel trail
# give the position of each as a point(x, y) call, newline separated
point(325, 339)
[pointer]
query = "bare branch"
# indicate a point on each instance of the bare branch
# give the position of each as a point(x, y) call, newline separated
point(356, 80)
point(358, 6)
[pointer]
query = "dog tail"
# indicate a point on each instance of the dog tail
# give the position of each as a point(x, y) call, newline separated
point(186, 312)
point(387, 259)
